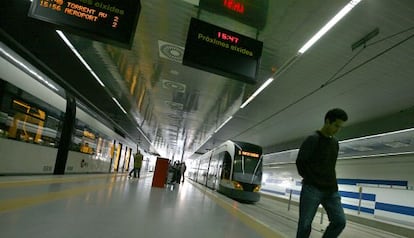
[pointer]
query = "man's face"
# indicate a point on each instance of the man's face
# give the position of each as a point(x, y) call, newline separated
point(334, 127)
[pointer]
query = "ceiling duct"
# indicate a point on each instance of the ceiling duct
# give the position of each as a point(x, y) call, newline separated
point(170, 51)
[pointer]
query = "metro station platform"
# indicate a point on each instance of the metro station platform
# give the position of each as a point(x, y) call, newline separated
point(115, 206)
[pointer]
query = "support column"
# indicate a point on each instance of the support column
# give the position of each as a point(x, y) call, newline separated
point(66, 136)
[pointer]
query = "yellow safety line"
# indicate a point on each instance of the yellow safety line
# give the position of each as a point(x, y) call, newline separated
point(18, 203)
point(27, 182)
point(247, 219)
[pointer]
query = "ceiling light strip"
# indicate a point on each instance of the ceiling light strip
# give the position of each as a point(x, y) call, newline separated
point(282, 152)
point(28, 69)
point(69, 44)
point(329, 25)
point(257, 92)
point(378, 135)
point(119, 105)
point(224, 123)
point(143, 134)
point(377, 155)
point(355, 139)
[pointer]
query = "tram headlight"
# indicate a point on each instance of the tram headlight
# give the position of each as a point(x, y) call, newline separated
point(237, 185)
point(256, 189)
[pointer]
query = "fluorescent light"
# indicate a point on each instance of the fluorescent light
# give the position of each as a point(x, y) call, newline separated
point(66, 40)
point(257, 92)
point(224, 123)
point(25, 67)
point(119, 105)
point(378, 135)
point(283, 152)
point(329, 25)
point(139, 129)
point(378, 155)
point(358, 139)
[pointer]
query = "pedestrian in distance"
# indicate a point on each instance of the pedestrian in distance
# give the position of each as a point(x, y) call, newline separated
point(177, 167)
point(183, 169)
point(316, 163)
point(138, 157)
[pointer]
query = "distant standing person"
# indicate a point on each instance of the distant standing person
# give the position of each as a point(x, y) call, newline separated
point(138, 157)
point(316, 163)
point(183, 169)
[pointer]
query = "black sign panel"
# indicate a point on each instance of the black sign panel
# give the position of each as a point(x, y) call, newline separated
point(110, 21)
point(218, 50)
point(249, 12)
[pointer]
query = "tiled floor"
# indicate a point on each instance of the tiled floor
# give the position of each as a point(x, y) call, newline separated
point(115, 206)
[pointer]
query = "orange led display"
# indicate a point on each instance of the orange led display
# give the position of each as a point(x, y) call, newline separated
point(250, 154)
point(108, 21)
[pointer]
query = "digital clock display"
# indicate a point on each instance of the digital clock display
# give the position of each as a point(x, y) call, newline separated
point(109, 21)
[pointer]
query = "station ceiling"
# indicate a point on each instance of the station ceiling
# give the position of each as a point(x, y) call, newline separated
point(176, 110)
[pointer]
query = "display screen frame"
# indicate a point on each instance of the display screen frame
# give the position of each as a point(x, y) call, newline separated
point(109, 21)
point(223, 52)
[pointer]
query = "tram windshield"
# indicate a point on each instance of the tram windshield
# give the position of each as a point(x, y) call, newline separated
point(247, 167)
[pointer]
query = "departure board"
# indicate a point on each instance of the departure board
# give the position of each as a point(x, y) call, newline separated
point(221, 51)
point(109, 21)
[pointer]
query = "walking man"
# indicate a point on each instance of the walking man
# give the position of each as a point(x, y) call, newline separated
point(138, 157)
point(316, 164)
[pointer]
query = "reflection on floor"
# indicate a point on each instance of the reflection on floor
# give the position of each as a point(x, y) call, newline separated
point(115, 206)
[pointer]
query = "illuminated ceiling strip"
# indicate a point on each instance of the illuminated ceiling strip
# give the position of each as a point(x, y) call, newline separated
point(308, 44)
point(329, 25)
point(119, 105)
point(378, 135)
point(25, 67)
point(257, 92)
point(139, 129)
point(282, 152)
point(273, 164)
point(356, 139)
point(66, 40)
point(378, 155)
point(224, 123)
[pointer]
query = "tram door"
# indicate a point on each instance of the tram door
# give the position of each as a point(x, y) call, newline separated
point(219, 174)
point(213, 171)
point(226, 167)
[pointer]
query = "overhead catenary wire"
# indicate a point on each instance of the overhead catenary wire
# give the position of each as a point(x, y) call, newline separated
point(334, 77)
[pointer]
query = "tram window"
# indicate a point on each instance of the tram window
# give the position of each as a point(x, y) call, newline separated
point(90, 141)
point(25, 117)
point(84, 139)
point(248, 165)
point(225, 173)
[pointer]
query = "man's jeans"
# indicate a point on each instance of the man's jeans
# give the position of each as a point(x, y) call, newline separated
point(135, 171)
point(310, 198)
